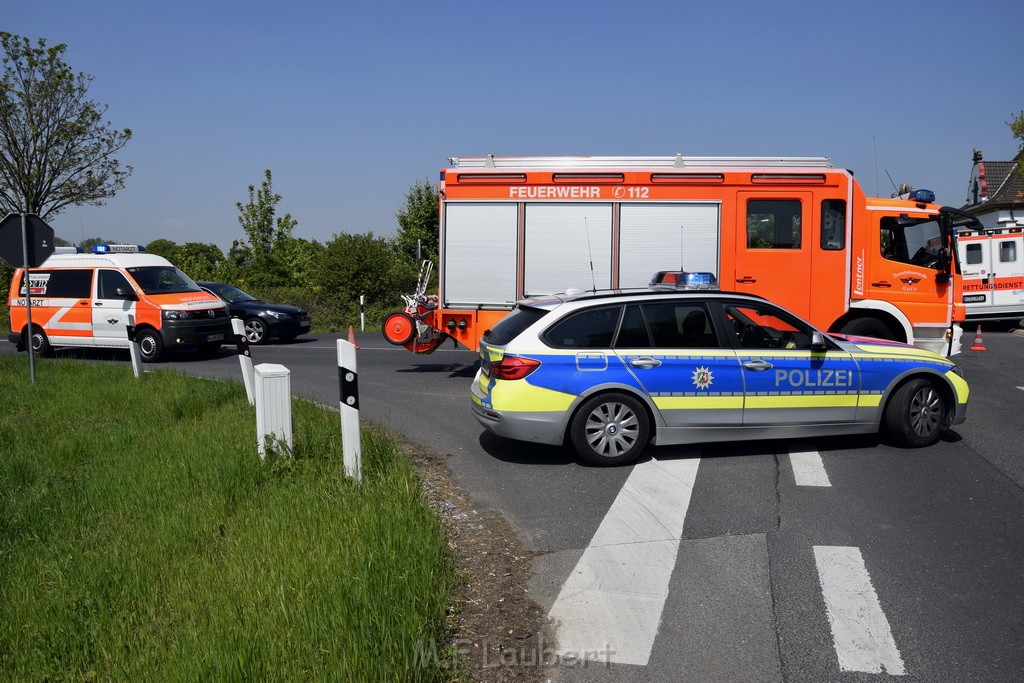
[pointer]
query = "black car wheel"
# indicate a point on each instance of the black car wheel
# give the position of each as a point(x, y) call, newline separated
point(151, 347)
point(255, 331)
point(915, 414)
point(610, 429)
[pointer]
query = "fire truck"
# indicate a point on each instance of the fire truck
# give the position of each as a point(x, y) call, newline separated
point(795, 230)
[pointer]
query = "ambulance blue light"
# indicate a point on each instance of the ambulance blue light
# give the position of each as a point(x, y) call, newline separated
point(100, 248)
point(926, 196)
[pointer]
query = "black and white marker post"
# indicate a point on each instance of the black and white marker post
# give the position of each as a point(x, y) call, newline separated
point(133, 347)
point(244, 359)
point(348, 378)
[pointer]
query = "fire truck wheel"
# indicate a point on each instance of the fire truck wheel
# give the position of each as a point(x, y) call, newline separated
point(610, 429)
point(40, 344)
point(399, 328)
point(151, 347)
point(915, 414)
point(867, 327)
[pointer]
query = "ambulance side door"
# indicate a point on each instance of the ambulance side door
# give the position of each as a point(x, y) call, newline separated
point(1008, 268)
point(110, 310)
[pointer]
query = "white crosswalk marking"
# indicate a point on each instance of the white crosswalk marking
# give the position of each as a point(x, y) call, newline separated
point(808, 469)
point(860, 630)
point(610, 606)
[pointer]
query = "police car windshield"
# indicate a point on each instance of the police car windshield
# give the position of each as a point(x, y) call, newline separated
point(162, 280)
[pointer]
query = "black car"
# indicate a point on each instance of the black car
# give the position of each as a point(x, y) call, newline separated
point(262, 320)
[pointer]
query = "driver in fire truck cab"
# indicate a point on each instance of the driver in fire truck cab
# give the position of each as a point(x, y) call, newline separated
point(930, 253)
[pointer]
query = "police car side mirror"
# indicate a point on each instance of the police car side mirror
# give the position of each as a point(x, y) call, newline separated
point(127, 294)
point(818, 341)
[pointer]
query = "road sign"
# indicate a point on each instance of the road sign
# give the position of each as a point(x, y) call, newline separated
point(39, 237)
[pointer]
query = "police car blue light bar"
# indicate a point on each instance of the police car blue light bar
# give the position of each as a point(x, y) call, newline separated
point(681, 280)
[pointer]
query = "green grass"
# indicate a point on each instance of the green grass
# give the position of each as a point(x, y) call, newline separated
point(141, 538)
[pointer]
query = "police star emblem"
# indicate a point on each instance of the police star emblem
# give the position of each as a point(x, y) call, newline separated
point(702, 378)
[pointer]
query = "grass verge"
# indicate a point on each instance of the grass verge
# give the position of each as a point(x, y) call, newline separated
point(141, 538)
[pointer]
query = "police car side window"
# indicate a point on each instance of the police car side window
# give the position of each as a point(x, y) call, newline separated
point(764, 328)
point(683, 325)
point(633, 331)
point(590, 329)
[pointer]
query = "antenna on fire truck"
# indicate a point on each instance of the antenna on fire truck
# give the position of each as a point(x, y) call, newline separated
point(593, 278)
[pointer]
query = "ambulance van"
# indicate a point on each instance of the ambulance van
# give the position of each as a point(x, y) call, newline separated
point(85, 300)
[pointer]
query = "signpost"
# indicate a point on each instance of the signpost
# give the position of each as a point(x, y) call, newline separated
point(26, 238)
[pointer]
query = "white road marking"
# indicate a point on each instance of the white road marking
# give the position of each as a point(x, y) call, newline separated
point(610, 606)
point(808, 469)
point(860, 630)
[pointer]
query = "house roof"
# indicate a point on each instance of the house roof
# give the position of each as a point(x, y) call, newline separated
point(1000, 184)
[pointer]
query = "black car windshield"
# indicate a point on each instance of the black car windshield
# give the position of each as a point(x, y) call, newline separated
point(233, 295)
point(163, 280)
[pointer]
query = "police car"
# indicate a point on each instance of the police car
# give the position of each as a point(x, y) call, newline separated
point(683, 362)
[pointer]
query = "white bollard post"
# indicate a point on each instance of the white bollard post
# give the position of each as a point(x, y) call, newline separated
point(348, 378)
point(362, 314)
point(133, 347)
point(273, 409)
point(244, 359)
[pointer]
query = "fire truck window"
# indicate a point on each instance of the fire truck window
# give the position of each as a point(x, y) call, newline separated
point(591, 329)
point(974, 255)
point(1007, 252)
point(773, 224)
point(918, 244)
point(833, 224)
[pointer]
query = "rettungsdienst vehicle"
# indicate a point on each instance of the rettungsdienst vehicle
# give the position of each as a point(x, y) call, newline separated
point(796, 230)
point(85, 300)
point(611, 372)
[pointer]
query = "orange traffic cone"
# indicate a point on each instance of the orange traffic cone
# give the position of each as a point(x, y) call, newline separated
point(979, 344)
point(352, 337)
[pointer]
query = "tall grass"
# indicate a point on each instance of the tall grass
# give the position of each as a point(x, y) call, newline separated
point(141, 538)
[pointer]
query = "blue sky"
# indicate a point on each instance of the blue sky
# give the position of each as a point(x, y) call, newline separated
point(349, 104)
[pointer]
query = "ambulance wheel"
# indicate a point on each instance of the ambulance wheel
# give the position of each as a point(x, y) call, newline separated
point(255, 331)
point(398, 328)
point(915, 414)
point(40, 344)
point(867, 327)
point(610, 429)
point(151, 347)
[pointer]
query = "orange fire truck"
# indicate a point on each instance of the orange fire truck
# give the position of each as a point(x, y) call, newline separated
point(795, 230)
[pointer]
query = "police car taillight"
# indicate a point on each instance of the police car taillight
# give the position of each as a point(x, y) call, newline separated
point(681, 279)
point(513, 367)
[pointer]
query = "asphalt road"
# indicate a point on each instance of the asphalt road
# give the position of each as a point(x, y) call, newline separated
point(908, 563)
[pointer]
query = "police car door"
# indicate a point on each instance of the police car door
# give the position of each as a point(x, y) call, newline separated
point(110, 310)
point(785, 382)
point(673, 350)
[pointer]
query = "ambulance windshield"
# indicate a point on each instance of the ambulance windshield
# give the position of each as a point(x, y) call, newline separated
point(162, 280)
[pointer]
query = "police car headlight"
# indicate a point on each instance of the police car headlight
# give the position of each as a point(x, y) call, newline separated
point(279, 316)
point(176, 315)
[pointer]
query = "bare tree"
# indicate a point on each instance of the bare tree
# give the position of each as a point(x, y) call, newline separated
point(55, 148)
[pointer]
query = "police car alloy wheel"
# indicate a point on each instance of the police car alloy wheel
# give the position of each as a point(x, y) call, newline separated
point(916, 414)
point(610, 429)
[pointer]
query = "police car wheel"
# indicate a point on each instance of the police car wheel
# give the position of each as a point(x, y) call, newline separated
point(151, 347)
point(40, 343)
point(916, 414)
point(610, 429)
point(255, 331)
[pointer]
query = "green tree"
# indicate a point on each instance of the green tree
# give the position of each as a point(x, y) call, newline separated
point(258, 257)
point(162, 247)
point(55, 148)
point(88, 243)
point(354, 265)
point(418, 222)
point(198, 260)
point(1017, 128)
